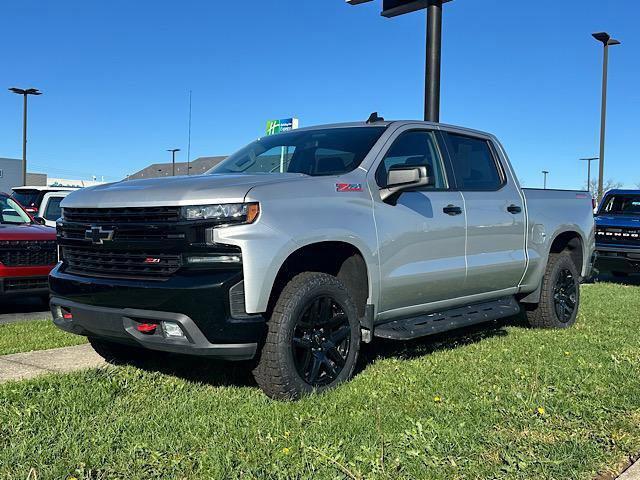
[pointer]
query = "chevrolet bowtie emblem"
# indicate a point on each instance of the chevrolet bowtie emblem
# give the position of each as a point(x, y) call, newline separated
point(98, 236)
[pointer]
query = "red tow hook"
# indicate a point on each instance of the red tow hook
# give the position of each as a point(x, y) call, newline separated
point(147, 328)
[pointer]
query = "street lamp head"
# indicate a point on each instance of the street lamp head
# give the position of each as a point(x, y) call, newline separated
point(173, 150)
point(28, 91)
point(605, 39)
point(545, 171)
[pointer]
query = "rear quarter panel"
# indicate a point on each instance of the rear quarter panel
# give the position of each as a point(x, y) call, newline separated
point(551, 213)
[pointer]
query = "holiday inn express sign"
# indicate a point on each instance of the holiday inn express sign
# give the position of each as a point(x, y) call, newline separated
point(284, 125)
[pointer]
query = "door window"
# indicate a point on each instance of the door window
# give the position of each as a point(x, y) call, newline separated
point(413, 149)
point(474, 165)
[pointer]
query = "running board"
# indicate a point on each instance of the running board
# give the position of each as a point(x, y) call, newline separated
point(416, 327)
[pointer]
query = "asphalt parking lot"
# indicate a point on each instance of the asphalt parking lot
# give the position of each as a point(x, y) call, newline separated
point(23, 310)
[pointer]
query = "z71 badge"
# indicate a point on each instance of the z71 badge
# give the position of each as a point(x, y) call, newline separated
point(348, 187)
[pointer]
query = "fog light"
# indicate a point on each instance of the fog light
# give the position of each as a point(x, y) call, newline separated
point(171, 329)
point(215, 259)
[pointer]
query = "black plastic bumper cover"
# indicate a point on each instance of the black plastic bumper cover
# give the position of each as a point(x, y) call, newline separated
point(120, 325)
point(110, 308)
point(618, 260)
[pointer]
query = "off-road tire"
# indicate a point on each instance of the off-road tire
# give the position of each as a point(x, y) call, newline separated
point(543, 314)
point(117, 354)
point(276, 371)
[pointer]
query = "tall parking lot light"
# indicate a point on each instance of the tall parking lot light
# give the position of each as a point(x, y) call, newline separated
point(25, 93)
point(394, 8)
point(173, 160)
point(545, 173)
point(606, 41)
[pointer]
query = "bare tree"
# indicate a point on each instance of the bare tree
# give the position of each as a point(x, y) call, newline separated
point(608, 185)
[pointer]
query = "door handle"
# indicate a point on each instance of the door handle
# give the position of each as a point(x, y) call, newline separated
point(514, 209)
point(452, 210)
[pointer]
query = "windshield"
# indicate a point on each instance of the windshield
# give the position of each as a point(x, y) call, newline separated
point(330, 151)
point(621, 204)
point(11, 212)
point(26, 198)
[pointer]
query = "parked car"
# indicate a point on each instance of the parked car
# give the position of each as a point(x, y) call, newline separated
point(30, 197)
point(618, 233)
point(28, 251)
point(50, 209)
point(395, 230)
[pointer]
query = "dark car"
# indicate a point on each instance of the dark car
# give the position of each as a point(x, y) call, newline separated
point(31, 197)
point(618, 233)
point(27, 251)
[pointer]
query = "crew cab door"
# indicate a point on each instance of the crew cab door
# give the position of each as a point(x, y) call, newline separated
point(421, 233)
point(496, 222)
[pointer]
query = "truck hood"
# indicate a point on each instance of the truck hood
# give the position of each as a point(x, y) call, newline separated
point(26, 232)
point(174, 191)
point(617, 221)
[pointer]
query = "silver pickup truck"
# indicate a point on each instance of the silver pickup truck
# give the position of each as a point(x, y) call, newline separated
point(303, 245)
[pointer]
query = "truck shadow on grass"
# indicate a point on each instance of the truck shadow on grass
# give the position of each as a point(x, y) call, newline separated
point(219, 373)
point(630, 280)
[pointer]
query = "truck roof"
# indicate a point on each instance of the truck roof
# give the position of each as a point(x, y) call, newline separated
point(40, 188)
point(619, 191)
point(387, 123)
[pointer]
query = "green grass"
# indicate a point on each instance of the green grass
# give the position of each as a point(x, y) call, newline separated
point(464, 406)
point(34, 335)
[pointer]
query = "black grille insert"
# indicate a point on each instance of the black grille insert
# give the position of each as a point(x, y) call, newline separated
point(94, 262)
point(23, 284)
point(618, 235)
point(122, 215)
point(28, 253)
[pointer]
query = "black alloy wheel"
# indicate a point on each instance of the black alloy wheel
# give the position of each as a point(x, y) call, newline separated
point(321, 341)
point(564, 295)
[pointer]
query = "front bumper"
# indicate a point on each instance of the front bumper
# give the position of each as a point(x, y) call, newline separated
point(198, 301)
point(119, 325)
point(614, 259)
point(16, 281)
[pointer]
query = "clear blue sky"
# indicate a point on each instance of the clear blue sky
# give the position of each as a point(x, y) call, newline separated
point(116, 77)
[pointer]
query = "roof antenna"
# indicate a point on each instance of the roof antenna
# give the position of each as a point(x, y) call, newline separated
point(373, 118)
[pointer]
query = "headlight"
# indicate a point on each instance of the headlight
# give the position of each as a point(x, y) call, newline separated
point(223, 212)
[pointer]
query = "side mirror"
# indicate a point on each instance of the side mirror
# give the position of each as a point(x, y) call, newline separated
point(402, 178)
point(39, 220)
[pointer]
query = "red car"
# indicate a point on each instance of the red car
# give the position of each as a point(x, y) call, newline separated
point(27, 251)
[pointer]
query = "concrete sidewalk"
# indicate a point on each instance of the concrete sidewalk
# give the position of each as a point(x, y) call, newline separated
point(632, 473)
point(22, 366)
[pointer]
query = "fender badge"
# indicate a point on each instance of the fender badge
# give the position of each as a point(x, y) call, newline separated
point(348, 187)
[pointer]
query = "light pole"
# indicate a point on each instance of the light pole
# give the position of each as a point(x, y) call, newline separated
point(25, 93)
point(589, 160)
point(606, 41)
point(545, 173)
point(173, 160)
point(393, 8)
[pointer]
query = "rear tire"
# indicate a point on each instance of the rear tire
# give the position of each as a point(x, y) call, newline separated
point(560, 295)
point(117, 354)
point(313, 340)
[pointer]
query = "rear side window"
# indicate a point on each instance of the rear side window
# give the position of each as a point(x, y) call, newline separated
point(474, 165)
point(53, 212)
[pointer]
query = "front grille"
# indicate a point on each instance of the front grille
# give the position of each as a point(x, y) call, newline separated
point(20, 284)
point(28, 253)
point(618, 235)
point(144, 215)
point(96, 262)
point(128, 233)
